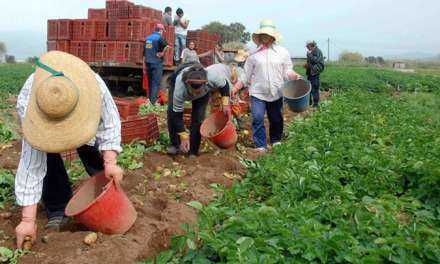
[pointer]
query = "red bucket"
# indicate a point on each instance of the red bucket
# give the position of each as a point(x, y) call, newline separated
point(219, 129)
point(101, 205)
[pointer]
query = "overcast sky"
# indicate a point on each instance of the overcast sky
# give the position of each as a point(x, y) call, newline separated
point(372, 27)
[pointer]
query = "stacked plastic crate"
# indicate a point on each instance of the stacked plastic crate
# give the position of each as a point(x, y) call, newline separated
point(135, 127)
point(204, 42)
point(115, 33)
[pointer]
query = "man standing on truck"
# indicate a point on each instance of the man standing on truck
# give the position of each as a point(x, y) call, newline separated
point(167, 18)
point(193, 84)
point(181, 22)
point(155, 47)
point(314, 67)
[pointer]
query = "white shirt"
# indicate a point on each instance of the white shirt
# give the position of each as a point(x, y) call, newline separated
point(266, 71)
point(179, 29)
point(33, 163)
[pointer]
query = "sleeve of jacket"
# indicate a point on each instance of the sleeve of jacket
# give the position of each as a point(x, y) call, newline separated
point(287, 65)
point(315, 56)
point(108, 136)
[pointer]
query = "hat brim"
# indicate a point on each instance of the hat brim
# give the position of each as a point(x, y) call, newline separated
point(80, 126)
point(271, 32)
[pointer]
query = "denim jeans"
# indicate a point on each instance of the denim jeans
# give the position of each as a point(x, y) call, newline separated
point(154, 72)
point(315, 82)
point(179, 46)
point(276, 121)
point(56, 186)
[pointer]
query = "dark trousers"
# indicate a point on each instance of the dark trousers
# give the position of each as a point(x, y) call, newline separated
point(197, 117)
point(56, 186)
point(154, 72)
point(276, 121)
point(315, 82)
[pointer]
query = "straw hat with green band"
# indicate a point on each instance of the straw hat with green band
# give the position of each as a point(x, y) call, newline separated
point(64, 108)
point(268, 27)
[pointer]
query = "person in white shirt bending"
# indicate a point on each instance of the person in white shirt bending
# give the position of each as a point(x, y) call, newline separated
point(181, 22)
point(63, 106)
point(266, 71)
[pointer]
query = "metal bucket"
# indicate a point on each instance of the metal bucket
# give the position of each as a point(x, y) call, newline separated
point(297, 95)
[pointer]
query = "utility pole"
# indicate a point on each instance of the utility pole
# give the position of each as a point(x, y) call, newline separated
point(328, 50)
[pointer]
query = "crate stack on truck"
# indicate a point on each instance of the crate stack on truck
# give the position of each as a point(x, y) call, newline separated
point(115, 33)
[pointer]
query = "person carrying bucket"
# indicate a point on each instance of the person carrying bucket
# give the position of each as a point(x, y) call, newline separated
point(266, 70)
point(63, 106)
point(193, 83)
point(236, 77)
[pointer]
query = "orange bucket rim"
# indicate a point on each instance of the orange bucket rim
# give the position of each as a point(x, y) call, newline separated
point(220, 131)
point(100, 197)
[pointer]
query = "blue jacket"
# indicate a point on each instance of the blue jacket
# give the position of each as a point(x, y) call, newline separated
point(153, 44)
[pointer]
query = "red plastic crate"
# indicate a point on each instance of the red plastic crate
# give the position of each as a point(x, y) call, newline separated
point(83, 29)
point(118, 9)
point(105, 51)
point(52, 29)
point(129, 52)
point(51, 45)
point(61, 45)
point(140, 128)
point(64, 29)
point(130, 30)
point(102, 30)
point(127, 108)
point(97, 13)
point(84, 50)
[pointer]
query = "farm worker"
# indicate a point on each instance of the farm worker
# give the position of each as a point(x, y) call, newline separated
point(189, 55)
point(154, 50)
point(63, 106)
point(266, 70)
point(194, 84)
point(314, 67)
point(236, 78)
point(181, 22)
point(167, 18)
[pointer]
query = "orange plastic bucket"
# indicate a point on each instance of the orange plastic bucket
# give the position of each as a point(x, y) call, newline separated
point(102, 206)
point(219, 129)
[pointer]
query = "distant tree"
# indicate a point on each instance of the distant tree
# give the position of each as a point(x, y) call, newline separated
point(3, 50)
point(234, 32)
point(348, 56)
point(380, 60)
point(32, 59)
point(371, 59)
point(10, 59)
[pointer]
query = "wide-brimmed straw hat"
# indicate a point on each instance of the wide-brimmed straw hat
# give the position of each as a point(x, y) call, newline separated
point(241, 56)
point(268, 27)
point(65, 104)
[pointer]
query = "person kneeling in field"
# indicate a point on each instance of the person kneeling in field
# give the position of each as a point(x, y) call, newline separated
point(266, 70)
point(63, 106)
point(193, 83)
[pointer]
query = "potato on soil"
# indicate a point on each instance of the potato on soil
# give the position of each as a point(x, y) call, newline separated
point(91, 239)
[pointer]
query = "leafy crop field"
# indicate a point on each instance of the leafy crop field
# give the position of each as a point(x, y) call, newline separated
point(12, 78)
point(358, 182)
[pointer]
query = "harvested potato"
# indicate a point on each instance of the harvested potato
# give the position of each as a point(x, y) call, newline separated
point(27, 244)
point(5, 215)
point(90, 239)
